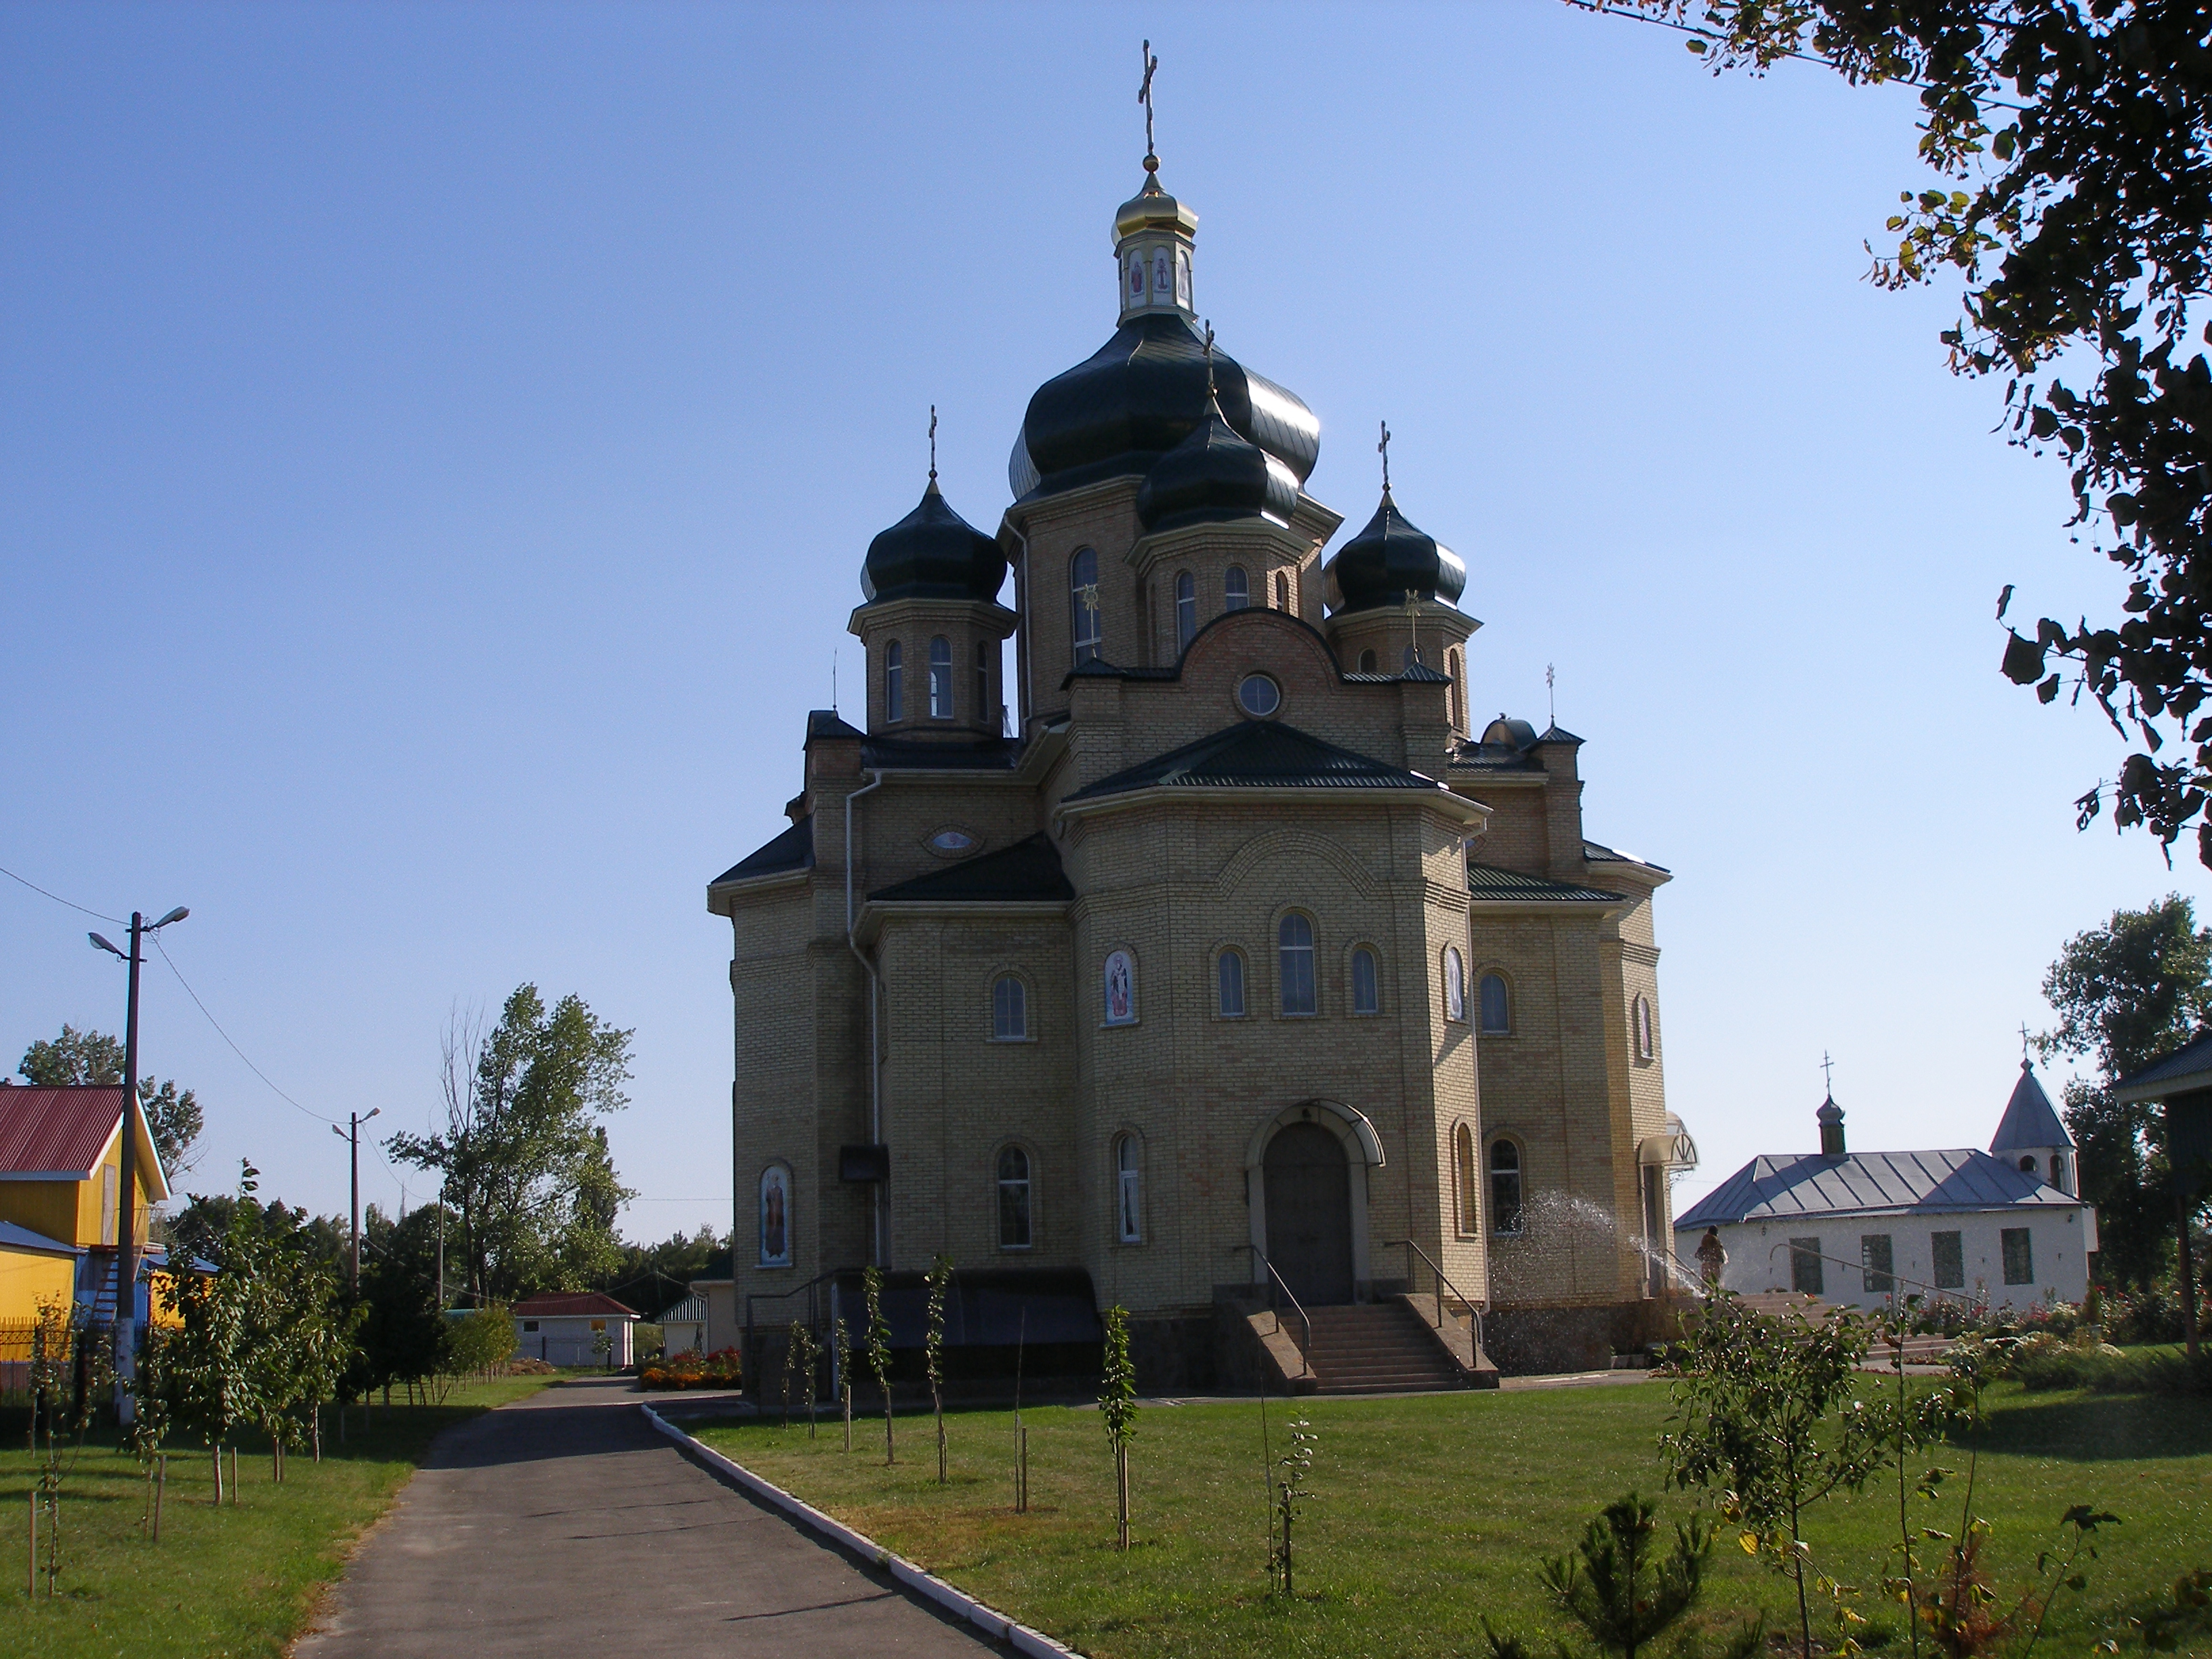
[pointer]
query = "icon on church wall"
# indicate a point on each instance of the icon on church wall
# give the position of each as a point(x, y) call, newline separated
point(1455, 986)
point(1137, 277)
point(1183, 279)
point(1160, 276)
point(776, 1217)
point(1121, 989)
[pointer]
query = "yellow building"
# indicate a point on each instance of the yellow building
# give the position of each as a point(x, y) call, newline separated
point(1216, 959)
point(61, 1174)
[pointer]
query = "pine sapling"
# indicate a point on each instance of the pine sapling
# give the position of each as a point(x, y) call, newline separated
point(940, 1275)
point(880, 1352)
point(1117, 1409)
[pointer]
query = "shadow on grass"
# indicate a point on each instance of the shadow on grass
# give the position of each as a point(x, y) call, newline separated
point(2101, 1430)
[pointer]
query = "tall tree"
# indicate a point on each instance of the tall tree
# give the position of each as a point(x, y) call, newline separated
point(523, 1158)
point(2125, 993)
point(2072, 145)
point(75, 1058)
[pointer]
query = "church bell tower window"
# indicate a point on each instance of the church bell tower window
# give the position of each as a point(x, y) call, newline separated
point(1235, 589)
point(894, 684)
point(940, 678)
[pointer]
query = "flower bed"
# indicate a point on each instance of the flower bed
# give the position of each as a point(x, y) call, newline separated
point(692, 1370)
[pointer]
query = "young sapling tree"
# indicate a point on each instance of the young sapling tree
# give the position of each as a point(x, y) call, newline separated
point(939, 1277)
point(841, 1336)
point(1619, 1586)
point(1117, 1410)
point(1291, 1495)
point(879, 1351)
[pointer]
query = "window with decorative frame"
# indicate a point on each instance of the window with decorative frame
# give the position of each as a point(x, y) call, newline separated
point(1084, 630)
point(940, 678)
point(1228, 984)
point(982, 680)
point(1016, 1216)
point(1294, 956)
point(1465, 1182)
point(1366, 981)
point(1128, 1190)
point(1495, 1000)
point(1010, 1009)
point(1506, 1215)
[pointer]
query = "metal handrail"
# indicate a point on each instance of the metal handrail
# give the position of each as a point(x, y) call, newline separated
point(1305, 1320)
point(1443, 1284)
point(813, 1309)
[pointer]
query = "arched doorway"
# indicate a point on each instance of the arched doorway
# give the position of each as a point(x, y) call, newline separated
point(1309, 1213)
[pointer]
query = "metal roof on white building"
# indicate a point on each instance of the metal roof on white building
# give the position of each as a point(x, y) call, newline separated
point(1784, 1188)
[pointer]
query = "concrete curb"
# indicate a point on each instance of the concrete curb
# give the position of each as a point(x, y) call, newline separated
point(1019, 1637)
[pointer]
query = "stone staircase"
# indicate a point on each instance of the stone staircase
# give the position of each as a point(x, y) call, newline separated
point(1377, 1348)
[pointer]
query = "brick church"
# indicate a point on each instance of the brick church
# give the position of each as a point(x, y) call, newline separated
point(1225, 966)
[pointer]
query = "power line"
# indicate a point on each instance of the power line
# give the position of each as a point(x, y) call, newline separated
point(97, 915)
point(225, 1035)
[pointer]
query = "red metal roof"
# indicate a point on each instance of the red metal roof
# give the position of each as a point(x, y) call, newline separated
point(57, 1130)
point(555, 1304)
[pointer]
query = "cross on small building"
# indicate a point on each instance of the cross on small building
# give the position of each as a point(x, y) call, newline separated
point(1144, 97)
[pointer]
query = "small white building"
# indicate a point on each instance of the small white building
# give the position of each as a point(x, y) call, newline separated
point(574, 1327)
point(2006, 1226)
point(684, 1325)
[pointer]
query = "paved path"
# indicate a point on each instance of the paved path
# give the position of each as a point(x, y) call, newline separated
point(563, 1523)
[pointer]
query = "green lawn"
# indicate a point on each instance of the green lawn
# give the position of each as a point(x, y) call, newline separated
point(1432, 1511)
point(237, 1581)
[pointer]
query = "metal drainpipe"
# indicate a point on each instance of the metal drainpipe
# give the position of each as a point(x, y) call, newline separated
point(875, 998)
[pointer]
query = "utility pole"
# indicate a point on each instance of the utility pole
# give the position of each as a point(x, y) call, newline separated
point(127, 1209)
point(352, 1136)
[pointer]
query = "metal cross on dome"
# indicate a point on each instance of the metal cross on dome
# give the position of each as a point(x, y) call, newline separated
point(933, 443)
point(1383, 450)
point(1828, 1073)
point(1211, 390)
point(1144, 97)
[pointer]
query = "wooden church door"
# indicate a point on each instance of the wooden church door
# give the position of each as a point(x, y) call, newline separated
point(1309, 1213)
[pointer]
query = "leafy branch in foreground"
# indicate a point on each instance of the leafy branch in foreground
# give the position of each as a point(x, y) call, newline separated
point(1117, 1410)
point(2073, 198)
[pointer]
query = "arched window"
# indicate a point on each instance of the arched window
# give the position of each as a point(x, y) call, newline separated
point(1455, 984)
point(776, 1217)
point(1452, 665)
point(1366, 995)
point(1013, 1199)
point(1083, 604)
point(1186, 611)
point(1505, 1214)
point(1464, 1184)
point(1128, 1191)
point(940, 678)
point(1229, 976)
point(1295, 957)
point(1010, 1009)
point(1282, 590)
point(1235, 589)
point(1121, 988)
point(2058, 1172)
point(2027, 1165)
point(1645, 1047)
point(1367, 662)
point(1496, 1005)
point(894, 683)
point(982, 680)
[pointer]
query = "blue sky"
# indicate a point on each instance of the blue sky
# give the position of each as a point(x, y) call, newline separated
point(437, 445)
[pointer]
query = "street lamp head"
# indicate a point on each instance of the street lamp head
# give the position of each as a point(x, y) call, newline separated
point(372, 1112)
point(105, 946)
point(339, 1132)
point(177, 914)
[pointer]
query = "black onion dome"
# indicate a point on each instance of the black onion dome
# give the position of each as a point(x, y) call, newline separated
point(1138, 397)
point(1377, 565)
point(1214, 476)
point(933, 553)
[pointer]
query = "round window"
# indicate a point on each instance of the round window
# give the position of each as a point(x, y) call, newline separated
point(1258, 695)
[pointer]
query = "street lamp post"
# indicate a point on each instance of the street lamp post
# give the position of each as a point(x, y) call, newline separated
point(353, 1135)
point(126, 1216)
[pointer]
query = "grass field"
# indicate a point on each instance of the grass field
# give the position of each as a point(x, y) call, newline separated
point(1432, 1511)
point(223, 1583)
